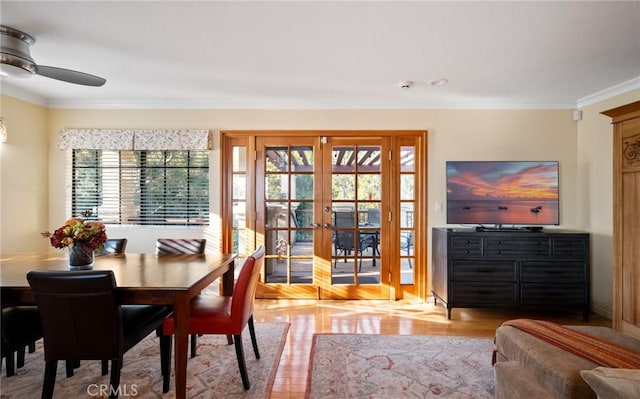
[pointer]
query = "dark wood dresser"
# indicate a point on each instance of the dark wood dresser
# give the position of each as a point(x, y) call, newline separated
point(520, 268)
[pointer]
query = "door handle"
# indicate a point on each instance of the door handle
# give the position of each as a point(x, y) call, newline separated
point(327, 225)
point(317, 225)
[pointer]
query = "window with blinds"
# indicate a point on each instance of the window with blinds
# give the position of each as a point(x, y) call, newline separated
point(141, 187)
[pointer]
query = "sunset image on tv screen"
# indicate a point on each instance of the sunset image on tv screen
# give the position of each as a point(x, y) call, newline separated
point(521, 192)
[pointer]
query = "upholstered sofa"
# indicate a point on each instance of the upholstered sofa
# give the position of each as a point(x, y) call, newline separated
point(529, 368)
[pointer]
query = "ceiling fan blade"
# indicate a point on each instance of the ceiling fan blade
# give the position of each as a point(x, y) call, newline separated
point(70, 76)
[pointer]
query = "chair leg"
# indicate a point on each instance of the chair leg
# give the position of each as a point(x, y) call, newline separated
point(70, 365)
point(241, 364)
point(11, 364)
point(116, 365)
point(20, 357)
point(230, 339)
point(105, 367)
point(49, 379)
point(32, 347)
point(254, 342)
point(165, 361)
point(194, 342)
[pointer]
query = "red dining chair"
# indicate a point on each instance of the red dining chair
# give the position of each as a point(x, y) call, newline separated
point(182, 246)
point(228, 315)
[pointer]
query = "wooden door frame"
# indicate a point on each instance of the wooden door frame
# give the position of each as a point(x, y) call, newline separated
point(397, 138)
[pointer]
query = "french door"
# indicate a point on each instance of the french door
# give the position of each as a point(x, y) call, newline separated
point(334, 212)
point(353, 206)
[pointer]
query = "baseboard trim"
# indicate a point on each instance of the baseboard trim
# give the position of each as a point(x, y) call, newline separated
point(604, 312)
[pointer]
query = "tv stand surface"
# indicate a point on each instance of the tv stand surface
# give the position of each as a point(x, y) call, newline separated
point(501, 229)
point(519, 269)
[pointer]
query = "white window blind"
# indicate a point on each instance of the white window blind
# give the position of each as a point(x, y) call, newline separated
point(140, 187)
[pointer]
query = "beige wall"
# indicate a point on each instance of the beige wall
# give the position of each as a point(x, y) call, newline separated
point(24, 183)
point(584, 156)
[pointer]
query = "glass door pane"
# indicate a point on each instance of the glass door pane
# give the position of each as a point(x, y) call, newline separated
point(239, 199)
point(407, 208)
point(355, 201)
point(288, 209)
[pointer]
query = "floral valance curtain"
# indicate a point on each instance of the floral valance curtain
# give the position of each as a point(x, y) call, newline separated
point(172, 140)
point(134, 139)
point(95, 139)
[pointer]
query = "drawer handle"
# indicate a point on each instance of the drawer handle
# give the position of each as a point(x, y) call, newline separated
point(486, 270)
point(467, 242)
point(466, 251)
point(498, 252)
point(555, 272)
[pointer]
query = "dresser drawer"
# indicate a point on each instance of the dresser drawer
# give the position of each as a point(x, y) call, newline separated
point(502, 294)
point(554, 272)
point(466, 247)
point(483, 271)
point(501, 247)
point(553, 294)
point(569, 248)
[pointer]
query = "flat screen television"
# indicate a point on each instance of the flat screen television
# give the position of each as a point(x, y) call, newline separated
point(518, 193)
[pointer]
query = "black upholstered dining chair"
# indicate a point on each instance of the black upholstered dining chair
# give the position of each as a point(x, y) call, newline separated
point(20, 327)
point(181, 245)
point(83, 320)
point(113, 246)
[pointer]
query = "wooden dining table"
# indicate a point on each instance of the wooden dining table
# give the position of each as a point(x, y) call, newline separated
point(168, 279)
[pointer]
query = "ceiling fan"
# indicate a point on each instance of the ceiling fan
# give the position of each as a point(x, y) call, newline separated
point(15, 60)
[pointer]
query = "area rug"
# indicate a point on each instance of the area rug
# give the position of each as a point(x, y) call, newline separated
point(212, 374)
point(399, 366)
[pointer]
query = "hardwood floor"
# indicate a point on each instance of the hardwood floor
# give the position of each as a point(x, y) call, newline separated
point(308, 317)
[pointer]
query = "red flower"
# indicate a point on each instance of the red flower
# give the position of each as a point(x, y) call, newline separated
point(93, 234)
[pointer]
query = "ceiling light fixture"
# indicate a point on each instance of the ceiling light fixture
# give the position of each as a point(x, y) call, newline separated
point(439, 82)
point(405, 84)
point(16, 61)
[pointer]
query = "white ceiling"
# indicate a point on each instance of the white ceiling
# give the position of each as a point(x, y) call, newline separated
point(329, 55)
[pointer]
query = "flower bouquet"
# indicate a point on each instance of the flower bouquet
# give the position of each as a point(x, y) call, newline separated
point(82, 238)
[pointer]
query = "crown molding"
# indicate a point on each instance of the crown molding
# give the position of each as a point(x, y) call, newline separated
point(631, 84)
point(308, 105)
point(8, 89)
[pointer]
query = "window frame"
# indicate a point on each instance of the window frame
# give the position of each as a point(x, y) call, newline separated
point(138, 171)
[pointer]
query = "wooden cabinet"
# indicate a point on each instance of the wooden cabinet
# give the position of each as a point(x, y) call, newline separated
point(510, 269)
point(626, 218)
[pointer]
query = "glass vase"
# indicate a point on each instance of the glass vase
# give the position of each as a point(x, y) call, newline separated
point(80, 257)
